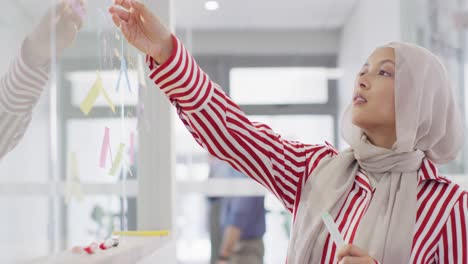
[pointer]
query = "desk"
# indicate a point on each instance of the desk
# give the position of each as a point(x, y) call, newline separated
point(130, 250)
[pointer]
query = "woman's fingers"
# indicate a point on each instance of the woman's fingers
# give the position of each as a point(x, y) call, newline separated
point(76, 19)
point(140, 10)
point(125, 31)
point(121, 24)
point(117, 20)
point(121, 13)
point(124, 3)
point(350, 250)
point(355, 260)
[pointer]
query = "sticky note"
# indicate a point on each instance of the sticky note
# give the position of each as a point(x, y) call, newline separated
point(118, 160)
point(108, 99)
point(105, 148)
point(123, 70)
point(73, 185)
point(76, 190)
point(90, 99)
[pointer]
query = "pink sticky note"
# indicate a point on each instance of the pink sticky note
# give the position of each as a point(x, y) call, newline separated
point(105, 148)
point(76, 6)
point(130, 150)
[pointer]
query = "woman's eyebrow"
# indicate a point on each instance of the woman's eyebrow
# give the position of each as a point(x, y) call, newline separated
point(387, 61)
point(381, 63)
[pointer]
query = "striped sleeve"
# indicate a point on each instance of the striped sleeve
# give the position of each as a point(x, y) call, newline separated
point(453, 243)
point(219, 126)
point(20, 89)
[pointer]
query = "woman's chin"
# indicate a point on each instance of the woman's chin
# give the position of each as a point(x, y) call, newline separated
point(358, 120)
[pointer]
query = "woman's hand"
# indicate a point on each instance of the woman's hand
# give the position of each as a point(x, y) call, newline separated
point(142, 29)
point(351, 254)
point(67, 24)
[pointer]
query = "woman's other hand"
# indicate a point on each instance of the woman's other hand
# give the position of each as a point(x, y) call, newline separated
point(351, 254)
point(38, 44)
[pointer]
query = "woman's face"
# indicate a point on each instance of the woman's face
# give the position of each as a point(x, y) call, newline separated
point(373, 107)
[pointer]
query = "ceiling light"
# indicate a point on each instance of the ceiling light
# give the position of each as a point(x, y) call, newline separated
point(211, 5)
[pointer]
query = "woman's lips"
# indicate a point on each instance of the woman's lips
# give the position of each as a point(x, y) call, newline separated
point(359, 100)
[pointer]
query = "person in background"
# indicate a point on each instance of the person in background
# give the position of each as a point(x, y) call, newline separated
point(241, 223)
point(217, 170)
point(22, 85)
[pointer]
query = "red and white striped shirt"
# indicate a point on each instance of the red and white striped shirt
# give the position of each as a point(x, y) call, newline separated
point(283, 167)
point(20, 89)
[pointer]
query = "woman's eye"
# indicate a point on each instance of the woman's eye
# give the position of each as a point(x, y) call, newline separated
point(384, 73)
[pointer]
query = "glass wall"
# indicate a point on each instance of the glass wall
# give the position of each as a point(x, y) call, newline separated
point(66, 181)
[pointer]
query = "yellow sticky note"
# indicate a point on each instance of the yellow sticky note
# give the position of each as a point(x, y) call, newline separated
point(73, 189)
point(118, 159)
point(109, 101)
point(73, 185)
point(92, 96)
point(76, 190)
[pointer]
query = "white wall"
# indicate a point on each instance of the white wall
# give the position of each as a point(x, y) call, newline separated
point(372, 23)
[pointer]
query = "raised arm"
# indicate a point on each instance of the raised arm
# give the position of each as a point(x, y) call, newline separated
point(22, 85)
point(214, 120)
point(20, 89)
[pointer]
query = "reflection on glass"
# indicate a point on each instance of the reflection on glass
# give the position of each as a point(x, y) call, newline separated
point(85, 137)
point(81, 82)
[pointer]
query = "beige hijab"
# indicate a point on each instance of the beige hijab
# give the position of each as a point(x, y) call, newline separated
point(428, 124)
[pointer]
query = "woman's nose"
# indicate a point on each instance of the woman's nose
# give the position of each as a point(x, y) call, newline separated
point(363, 85)
point(363, 82)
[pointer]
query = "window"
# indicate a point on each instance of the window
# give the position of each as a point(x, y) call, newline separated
point(278, 85)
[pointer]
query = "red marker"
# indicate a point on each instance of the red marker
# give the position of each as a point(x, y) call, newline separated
point(91, 249)
point(106, 244)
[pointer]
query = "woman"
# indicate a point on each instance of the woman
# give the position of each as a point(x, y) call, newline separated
point(384, 192)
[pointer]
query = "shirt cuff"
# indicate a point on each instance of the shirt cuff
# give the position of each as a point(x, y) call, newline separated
point(181, 79)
